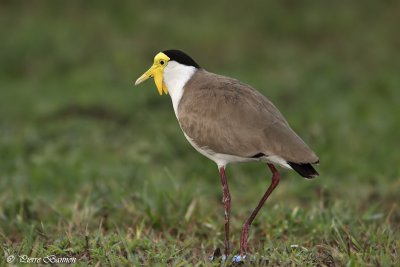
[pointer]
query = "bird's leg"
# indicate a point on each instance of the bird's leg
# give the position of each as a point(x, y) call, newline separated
point(246, 227)
point(227, 204)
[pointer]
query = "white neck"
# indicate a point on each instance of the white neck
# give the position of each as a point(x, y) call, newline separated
point(175, 77)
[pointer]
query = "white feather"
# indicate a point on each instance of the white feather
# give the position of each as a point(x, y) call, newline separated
point(175, 77)
point(224, 159)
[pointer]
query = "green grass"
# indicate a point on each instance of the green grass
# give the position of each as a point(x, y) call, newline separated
point(94, 168)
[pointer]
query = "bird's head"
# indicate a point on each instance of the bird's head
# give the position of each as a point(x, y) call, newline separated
point(161, 61)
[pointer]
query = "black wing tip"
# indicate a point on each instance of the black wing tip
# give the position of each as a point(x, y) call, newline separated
point(304, 169)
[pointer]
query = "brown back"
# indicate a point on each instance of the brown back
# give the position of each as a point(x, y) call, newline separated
point(230, 117)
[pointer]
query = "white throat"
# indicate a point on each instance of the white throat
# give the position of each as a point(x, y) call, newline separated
point(175, 77)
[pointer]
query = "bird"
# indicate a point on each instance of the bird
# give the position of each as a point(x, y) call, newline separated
point(229, 121)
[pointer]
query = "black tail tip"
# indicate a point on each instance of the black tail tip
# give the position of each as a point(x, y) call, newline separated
point(304, 169)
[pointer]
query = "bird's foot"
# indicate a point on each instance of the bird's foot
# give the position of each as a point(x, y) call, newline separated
point(238, 258)
point(217, 254)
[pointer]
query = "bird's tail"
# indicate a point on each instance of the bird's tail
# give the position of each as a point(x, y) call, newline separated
point(304, 169)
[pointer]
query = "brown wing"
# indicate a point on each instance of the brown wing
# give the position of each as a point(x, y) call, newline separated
point(230, 117)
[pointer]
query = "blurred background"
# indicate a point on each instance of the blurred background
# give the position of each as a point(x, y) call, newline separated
point(80, 144)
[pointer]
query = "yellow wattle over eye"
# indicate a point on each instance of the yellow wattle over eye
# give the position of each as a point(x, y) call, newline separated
point(156, 71)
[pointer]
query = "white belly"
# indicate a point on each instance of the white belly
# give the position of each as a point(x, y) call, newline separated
point(223, 159)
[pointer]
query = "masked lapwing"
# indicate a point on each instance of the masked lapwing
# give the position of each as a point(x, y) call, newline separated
point(229, 121)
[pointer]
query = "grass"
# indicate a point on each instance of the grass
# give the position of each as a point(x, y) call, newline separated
point(94, 168)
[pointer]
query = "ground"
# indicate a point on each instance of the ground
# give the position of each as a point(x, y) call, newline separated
point(94, 168)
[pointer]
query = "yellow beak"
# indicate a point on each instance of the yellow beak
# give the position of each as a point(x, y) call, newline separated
point(156, 72)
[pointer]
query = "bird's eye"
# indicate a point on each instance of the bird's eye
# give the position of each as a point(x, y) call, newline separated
point(162, 62)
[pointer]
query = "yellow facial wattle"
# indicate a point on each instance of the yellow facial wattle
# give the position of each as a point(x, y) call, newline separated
point(156, 71)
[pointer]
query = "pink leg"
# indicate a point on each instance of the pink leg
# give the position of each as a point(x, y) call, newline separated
point(246, 227)
point(227, 204)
